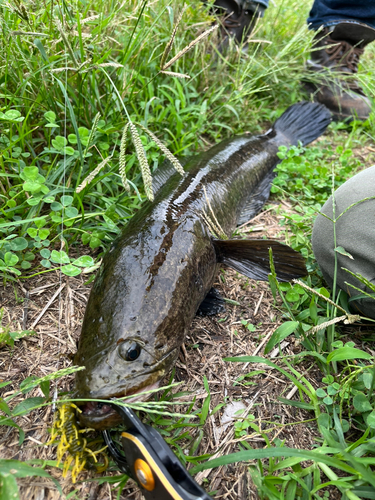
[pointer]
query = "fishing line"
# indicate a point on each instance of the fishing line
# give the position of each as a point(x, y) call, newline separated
point(55, 392)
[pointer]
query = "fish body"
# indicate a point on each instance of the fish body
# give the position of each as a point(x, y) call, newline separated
point(157, 273)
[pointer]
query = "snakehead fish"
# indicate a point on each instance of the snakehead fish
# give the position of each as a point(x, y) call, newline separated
point(157, 273)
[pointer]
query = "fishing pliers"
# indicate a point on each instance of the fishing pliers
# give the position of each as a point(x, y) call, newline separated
point(148, 460)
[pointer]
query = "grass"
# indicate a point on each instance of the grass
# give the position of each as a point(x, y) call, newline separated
point(74, 76)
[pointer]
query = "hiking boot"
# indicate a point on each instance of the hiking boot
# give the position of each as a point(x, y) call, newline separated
point(339, 50)
point(237, 19)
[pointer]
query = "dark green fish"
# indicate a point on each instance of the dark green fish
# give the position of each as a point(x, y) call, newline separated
point(157, 273)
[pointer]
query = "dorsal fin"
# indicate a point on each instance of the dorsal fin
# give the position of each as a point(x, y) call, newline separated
point(257, 199)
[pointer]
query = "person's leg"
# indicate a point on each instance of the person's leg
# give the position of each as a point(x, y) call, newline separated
point(355, 233)
point(345, 28)
point(331, 12)
point(238, 17)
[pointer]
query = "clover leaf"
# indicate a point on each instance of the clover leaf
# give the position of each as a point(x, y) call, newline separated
point(50, 116)
point(12, 115)
point(59, 257)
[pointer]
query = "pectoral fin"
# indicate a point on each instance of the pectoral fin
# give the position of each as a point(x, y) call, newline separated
point(251, 258)
point(212, 304)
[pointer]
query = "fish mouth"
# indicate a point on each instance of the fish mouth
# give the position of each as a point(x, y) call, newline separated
point(100, 416)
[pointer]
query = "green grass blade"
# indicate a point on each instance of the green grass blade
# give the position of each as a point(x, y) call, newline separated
point(72, 117)
point(259, 454)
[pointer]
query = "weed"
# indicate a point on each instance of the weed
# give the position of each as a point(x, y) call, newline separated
point(7, 337)
point(65, 138)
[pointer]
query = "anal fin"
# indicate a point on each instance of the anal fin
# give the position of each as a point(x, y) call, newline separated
point(257, 199)
point(212, 304)
point(251, 258)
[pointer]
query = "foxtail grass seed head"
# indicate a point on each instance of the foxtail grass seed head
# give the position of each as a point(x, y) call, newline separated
point(214, 230)
point(22, 55)
point(26, 33)
point(315, 292)
point(67, 44)
point(54, 376)
point(103, 65)
point(168, 47)
point(92, 133)
point(60, 70)
point(190, 46)
point(122, 159)
point(177, 165)
point(177, 75)
point(143, 163)
point(213, 221)
point(83, 67)
point(110, 65)
point(89, 19)
point(93, 174)
point(83, 35)
point(322, 326)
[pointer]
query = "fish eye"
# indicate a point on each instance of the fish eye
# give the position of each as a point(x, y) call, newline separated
point(130, 353)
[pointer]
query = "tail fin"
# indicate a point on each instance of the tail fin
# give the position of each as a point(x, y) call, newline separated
point(304, 121)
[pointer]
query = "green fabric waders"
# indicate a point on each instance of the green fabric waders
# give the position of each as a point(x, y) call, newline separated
point(355, 232)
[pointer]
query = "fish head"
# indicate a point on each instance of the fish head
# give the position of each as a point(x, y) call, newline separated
point(130, 368)
point(132, 330)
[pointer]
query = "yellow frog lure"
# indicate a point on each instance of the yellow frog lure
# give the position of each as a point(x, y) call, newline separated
point(72, 442)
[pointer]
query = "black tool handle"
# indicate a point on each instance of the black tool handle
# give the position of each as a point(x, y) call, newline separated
point(156, 480)
point(151, 463)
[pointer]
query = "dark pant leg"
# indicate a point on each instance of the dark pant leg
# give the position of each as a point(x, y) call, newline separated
point(331, 12)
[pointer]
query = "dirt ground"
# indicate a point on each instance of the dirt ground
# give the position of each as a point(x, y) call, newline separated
point(54, 308)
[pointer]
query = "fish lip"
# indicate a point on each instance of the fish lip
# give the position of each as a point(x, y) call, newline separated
point(113, 392)
point(137, 395)
point(96, 419)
